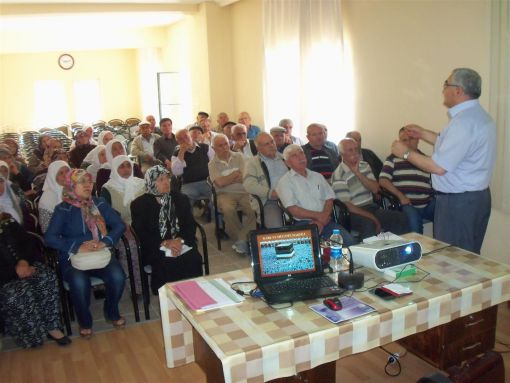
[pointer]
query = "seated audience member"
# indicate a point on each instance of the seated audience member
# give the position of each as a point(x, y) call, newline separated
point(307, 195)
point(154, 129)
point(222, 119)
point(13, 146)
point(242, 143)
point(288, 125)
point(330, 144)
point(227, 131)
point(12, 202)
point(162, 218)
point(98, 161)
point(121, 189)
point(261, 175)
point(411, 185)
point(279, 136)
point(201, 116)
point(19, 173)
point(164, 146)
point(38, 181)
point(89, 131)
point(42, 145)
point(113, 149)
point(319, 158)
point(197, 134)
point(208, 135)
point(354, 184)
point(190, 161)
point(226, 172)
point(52, 191)
point(251, 130)
point(81, 149)
point(366, 154)
point(143, 144)
point(83, 223)
point(29, 295)
point(104, 137)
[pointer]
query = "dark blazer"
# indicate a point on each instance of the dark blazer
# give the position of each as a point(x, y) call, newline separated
point(145, 222)
point(17, 245)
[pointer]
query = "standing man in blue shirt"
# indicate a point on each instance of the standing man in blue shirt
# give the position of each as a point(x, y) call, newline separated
point(462, 163)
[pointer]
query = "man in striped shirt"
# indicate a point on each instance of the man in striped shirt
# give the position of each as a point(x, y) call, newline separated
point(411, 185)
point(354, 184)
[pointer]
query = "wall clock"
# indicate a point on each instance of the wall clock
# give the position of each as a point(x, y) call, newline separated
point(66, 61)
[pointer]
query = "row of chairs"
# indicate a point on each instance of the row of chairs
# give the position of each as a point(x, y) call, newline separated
point(145, 273)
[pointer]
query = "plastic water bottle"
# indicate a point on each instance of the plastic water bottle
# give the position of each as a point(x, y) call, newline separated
point(336, 242)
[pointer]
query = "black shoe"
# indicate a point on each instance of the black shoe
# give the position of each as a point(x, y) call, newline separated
point(64, 341)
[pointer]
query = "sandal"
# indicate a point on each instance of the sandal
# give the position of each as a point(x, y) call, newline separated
point(86, 333)
point(119, 323)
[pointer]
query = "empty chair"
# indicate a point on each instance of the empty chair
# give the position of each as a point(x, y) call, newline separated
point(115, 122)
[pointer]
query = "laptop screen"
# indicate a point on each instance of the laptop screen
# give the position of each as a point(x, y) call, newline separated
point(285, 251)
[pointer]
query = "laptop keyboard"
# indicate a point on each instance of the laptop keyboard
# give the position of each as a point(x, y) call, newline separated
point(299, 285)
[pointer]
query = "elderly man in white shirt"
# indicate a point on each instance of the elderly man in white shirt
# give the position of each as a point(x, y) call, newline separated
point(307, 195)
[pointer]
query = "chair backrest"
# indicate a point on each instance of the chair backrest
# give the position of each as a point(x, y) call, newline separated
point(132, 121)
point(389, 201)
point(115, 122)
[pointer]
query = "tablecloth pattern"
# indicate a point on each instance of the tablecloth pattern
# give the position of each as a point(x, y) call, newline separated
point(257, 343)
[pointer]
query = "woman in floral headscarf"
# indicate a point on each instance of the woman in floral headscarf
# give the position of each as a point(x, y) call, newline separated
point(82, 223)
point(162, 218)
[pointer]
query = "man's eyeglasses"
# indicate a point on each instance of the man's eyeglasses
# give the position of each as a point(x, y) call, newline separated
point(446, 84)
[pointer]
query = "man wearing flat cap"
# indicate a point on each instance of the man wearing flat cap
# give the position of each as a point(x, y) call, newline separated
point(143, 144)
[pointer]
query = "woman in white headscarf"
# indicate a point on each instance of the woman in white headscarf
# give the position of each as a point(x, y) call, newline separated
point(98, 161)
point(104, 137)
point(113, 149)
point(52, 191)
point(118, 192)
point(9, 202)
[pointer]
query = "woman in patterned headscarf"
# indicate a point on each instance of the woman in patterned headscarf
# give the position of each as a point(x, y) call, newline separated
point(162, 219)
point(82, 223)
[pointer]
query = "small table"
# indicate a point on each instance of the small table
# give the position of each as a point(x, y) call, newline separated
point(252, 342)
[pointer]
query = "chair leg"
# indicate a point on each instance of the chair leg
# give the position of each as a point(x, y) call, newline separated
point(145, 294)
point(132, 286)
point(66, 317)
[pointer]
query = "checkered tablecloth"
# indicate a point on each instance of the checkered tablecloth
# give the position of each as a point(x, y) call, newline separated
point(256, 343)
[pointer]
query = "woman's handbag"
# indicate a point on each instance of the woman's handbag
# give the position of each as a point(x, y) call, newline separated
point(91, 259)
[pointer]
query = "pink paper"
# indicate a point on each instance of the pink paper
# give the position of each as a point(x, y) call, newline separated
point(193, 295)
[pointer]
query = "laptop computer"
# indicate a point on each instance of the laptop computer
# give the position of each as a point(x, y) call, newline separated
point(287, 266)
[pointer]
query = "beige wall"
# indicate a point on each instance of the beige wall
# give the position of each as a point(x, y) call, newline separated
point(402, 53)
point(113, 68)
point(247, 51)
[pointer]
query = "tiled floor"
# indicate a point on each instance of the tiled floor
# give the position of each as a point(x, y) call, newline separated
point(219, 261)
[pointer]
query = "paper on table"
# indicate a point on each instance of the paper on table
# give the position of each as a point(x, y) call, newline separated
point(207, 295)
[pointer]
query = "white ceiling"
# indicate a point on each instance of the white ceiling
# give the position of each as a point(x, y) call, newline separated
point(18, 15)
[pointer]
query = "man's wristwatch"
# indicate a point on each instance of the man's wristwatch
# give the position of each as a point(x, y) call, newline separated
point(406, 154)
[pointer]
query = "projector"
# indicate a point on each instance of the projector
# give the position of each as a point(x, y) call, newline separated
point(384, 254)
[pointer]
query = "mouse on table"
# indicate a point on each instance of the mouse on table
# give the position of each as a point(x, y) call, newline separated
point(333, 303)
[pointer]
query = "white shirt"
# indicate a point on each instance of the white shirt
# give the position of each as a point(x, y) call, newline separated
point(310, 192)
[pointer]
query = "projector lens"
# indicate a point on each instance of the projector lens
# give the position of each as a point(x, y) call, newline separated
point(408, 250)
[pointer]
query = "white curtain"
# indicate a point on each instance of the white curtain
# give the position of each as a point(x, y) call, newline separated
point(500, 101)
point(304, 71)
